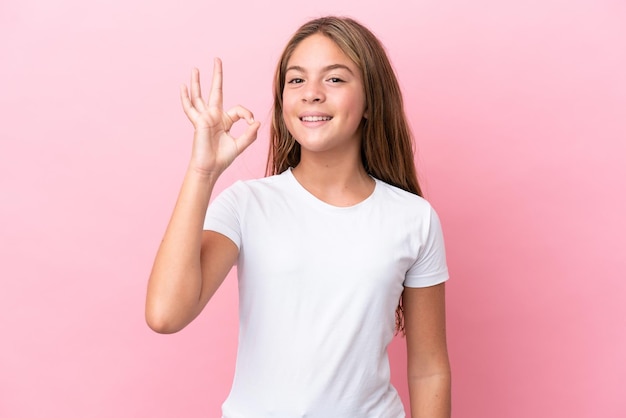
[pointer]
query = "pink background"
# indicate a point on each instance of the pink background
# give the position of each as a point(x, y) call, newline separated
point(519, 110)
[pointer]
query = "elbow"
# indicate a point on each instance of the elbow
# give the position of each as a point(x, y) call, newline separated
point(440, 380)
point(160, 327)
point(160, 322)
point(438, 373)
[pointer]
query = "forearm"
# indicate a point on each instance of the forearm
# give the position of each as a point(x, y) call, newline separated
point(187, 270)
point(175, 284)
point(430, 395)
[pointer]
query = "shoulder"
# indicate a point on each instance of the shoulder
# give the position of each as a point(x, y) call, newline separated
point(256, 189)
point(402, 200)
point(277, 180)
point(410, 212)
point(275, 183)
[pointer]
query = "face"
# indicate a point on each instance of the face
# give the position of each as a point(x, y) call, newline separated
point(323, 98)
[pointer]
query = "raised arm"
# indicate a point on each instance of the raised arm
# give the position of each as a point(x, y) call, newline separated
point(428, 366)
point(191, 263)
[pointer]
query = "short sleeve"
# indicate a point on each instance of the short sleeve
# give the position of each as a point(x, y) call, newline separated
point(224, 214)
point(430, 268)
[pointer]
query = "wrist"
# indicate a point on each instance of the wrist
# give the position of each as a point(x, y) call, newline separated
point(203, 175)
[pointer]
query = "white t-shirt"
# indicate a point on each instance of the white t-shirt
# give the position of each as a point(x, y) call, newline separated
point(318, 290)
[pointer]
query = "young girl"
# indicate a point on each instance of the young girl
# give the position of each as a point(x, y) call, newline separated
point(334, 249)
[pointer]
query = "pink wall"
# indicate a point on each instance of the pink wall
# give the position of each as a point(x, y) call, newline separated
point(520, 113)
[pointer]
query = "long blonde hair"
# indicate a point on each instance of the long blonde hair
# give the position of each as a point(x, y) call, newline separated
point(386, 146)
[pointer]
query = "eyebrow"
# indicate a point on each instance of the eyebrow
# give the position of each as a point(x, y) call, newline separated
point(327, 68)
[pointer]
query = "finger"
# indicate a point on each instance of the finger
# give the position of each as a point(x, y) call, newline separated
point(190, 111)
point(248, 137)
point(216, 95)
point(196, 93)
point(239, 112)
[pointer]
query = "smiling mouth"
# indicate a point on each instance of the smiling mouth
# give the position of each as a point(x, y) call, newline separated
point(315, 118)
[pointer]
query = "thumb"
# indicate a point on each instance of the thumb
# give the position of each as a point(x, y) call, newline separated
point(248, 136)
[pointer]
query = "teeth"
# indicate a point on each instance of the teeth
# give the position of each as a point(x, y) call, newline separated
point(315, 118)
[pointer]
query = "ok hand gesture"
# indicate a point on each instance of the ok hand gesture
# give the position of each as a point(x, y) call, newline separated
point(213, 146)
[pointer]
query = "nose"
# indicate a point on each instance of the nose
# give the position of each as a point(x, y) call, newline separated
point(313, 93)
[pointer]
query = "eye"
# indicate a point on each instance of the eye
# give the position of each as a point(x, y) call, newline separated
point(335, 80)
point(295, 81)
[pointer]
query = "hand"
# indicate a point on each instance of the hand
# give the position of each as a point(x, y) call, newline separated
point(213, 146)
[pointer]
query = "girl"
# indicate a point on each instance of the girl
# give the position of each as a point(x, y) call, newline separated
point(326, 246)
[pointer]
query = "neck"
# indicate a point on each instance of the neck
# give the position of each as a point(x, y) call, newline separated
point(337, 181)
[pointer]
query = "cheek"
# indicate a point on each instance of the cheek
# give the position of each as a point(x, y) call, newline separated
point(288, 110)
point(287, 102)
point(353, 101)
point(285, 116)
